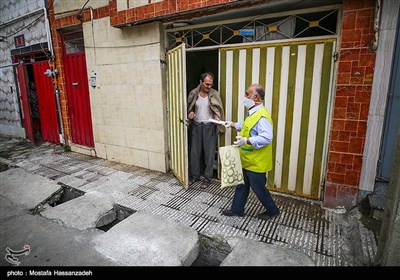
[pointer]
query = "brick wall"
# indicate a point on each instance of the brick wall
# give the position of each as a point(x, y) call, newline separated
point(173, 10)
point(353, 88)
point(353, 94)
point(56, 24)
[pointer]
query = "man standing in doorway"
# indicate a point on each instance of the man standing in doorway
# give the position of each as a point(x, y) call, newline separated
point(204, 103)
point(33, 103)
point(255, 144)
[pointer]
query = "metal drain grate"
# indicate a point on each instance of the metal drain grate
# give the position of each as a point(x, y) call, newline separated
point(303, 225)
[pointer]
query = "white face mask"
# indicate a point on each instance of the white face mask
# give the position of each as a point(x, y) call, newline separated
point(248, 103)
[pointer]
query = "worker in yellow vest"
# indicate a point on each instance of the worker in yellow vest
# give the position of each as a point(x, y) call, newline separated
point(255, 144)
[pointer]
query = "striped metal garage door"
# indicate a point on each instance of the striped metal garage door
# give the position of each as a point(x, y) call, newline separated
point(297, 77)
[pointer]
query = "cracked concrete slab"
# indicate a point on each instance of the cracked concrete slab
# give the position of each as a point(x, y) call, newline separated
point(145, 239)
point(98, 209)
point(31, 191)
point(248, 252)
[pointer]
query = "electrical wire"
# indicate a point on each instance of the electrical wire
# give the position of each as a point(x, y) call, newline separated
point(26, 26)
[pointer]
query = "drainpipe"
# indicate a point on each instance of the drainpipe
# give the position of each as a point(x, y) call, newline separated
point(374, 43)
point(57, 92)
point(9, 65)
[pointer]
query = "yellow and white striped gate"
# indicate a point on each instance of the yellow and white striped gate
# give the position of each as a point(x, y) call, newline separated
point(177, 114)
point(297, 78)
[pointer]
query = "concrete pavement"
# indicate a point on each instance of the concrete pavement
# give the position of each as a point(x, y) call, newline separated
point(135, 217)
point(50, 243)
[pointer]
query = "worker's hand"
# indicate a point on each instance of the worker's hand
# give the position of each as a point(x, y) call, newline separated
point(228, 124)
point(191, 115)
point(240, 141)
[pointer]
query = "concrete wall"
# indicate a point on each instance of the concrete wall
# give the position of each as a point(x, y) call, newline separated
point(63, 7)
point(16, 17)
point(129, 103)
point(380, 88)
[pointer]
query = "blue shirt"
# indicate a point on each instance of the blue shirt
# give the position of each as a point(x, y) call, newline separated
point(261, 133)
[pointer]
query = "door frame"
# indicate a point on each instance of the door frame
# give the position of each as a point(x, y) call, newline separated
point(47, 102)
point(316, 177)
point(26, 114)
point(82, 134)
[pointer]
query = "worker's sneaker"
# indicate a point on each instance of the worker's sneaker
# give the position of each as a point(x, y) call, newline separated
point(265, 216)
point(229, 213)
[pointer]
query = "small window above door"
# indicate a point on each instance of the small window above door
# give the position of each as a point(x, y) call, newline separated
point(73, 43)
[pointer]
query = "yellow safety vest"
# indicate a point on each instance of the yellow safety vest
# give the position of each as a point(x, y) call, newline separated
point(257, 160)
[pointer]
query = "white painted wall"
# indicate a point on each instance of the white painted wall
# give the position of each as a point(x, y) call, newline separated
point(129, 103)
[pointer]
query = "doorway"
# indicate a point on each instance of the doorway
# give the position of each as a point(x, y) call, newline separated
point(33, 103)
point(295, 65)
point(38, 102)
point(198, 62)
point(77, 87)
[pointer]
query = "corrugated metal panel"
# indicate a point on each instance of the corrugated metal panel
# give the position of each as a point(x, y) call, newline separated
point(297, 78)
point(78, 99)
point(177, 117)
point(47, 103)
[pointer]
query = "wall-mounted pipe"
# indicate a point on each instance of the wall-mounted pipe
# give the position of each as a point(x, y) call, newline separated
point(48, 31)
point(58, 104)
point(9, 65)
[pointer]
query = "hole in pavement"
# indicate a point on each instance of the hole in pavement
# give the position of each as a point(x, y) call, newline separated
point(3, 167)
point(5, 154)
point(212, 251)
point(121, 214)
point(67, 194)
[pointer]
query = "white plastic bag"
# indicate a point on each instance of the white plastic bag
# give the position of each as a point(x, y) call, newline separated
point(231, 173)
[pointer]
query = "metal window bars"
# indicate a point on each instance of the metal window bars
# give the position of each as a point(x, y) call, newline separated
point(319, 23)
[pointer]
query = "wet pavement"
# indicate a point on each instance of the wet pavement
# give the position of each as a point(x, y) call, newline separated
point(328, 237)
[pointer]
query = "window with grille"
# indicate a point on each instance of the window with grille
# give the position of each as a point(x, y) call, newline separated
point(74, 43)
point(258, 30)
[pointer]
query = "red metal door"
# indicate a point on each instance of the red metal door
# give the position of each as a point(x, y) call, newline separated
point(47, 103)
point(26, 113)
point(78, 99)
